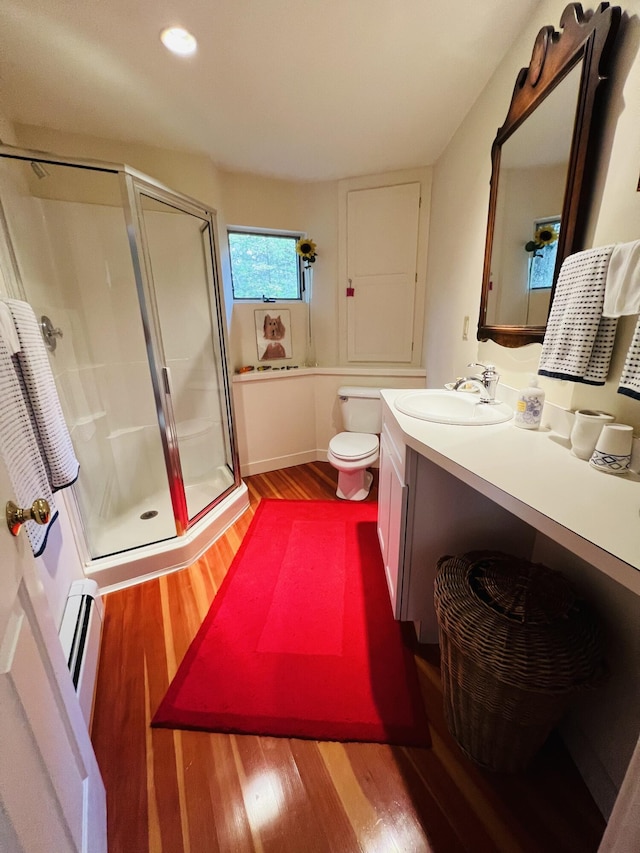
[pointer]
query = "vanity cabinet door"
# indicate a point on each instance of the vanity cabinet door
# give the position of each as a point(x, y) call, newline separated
point(392, 502)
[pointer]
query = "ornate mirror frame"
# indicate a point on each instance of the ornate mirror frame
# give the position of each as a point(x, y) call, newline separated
point(585, 38)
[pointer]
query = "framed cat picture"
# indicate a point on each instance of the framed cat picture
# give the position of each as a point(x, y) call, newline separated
point(273, 334)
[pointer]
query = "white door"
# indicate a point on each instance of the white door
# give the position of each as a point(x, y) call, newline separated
point(382, 249)
point(52, 799)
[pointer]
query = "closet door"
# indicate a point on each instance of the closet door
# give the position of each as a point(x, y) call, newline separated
point(382, 247)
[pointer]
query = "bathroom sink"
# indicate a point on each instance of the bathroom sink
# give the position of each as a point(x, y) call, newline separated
point(452, 407)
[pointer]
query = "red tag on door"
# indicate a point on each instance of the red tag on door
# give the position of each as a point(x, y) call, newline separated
point(351, 291)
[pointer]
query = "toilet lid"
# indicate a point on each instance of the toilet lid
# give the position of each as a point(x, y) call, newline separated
point(353, 445)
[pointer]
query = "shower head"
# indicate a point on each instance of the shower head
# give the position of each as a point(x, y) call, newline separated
point(39, 169)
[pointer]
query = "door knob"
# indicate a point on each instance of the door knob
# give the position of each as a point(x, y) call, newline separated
point(39, 511)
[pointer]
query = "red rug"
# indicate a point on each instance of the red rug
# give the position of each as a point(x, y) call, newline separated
point(300, 640)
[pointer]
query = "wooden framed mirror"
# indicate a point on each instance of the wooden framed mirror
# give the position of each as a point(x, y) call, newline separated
point(543, 164)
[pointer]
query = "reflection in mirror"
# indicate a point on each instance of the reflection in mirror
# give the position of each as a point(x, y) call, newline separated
point(533, 173)
point(544, 159)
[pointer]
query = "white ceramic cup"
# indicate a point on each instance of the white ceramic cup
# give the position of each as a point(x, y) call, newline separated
point(587, 426)
point(613, 449)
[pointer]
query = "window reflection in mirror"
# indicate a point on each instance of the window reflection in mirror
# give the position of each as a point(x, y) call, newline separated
point(533, 174)
point(543, 252)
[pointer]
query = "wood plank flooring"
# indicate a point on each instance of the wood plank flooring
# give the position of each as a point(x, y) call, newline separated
point(194, 792)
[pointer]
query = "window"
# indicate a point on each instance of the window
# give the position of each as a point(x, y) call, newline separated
point(265, 265)
point(543, 260)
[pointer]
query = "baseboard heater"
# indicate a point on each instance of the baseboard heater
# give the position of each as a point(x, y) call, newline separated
point(80, 632)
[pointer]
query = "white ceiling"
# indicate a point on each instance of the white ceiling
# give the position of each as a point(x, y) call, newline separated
point(308, 90)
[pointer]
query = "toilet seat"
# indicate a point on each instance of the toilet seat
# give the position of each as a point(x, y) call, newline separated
point(352, 446)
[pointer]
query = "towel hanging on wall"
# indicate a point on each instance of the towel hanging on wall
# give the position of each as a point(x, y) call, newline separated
point(622, 298)
point(42, 398)
point(19, 448)
point(622, 288)
point(578, 343)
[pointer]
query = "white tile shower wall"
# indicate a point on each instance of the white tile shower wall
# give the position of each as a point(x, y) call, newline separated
point(195, 391)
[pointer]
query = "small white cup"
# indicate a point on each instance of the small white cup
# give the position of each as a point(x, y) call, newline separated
point(587, 426)
point(612, 454)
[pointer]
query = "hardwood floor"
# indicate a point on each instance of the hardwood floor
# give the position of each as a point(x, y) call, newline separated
point(194, 792)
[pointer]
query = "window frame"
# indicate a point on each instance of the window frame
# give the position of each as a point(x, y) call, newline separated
point(556, 223)
point(269, 232)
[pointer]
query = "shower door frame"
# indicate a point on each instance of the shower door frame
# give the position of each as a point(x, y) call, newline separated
point(130, 179)
point(134, 185)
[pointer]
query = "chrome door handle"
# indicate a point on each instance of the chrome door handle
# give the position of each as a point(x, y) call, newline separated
point(39, 511)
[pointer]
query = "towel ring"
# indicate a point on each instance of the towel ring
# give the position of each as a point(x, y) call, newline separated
point(49, 333)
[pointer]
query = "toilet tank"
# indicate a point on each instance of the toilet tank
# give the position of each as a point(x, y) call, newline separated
point(361, 409)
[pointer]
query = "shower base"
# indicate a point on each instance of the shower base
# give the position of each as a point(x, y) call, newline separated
point(167, 552)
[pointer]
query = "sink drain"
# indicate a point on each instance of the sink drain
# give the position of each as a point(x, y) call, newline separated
point(150, 513)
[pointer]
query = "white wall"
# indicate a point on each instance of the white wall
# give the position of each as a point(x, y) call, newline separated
point(603, 728)
point(288, 418)
point(460, 201)
point(319, 209)
point(259, 202)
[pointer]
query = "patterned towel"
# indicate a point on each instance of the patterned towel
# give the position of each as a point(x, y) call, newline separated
point(19, 449)
point(630, 378)
point(579, 341)
point(42, 400)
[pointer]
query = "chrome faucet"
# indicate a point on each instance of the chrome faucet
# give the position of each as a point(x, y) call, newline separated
point(486, 382)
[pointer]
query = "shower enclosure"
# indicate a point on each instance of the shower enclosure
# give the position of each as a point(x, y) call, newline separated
point(124, 274)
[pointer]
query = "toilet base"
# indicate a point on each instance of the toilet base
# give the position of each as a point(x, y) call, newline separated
point(354, 485)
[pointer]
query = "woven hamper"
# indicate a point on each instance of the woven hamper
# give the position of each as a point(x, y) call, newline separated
point(516, 644)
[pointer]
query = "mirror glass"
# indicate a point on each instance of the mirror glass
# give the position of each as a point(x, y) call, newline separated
point(534, 162)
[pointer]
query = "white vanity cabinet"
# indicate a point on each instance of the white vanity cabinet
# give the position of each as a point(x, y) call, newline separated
point(425, 513)
point(392, 504)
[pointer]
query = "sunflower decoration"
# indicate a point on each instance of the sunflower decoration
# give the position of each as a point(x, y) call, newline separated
point(544, 236)
point(307, 250)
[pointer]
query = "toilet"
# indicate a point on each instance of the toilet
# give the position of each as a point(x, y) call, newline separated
point(354, 450)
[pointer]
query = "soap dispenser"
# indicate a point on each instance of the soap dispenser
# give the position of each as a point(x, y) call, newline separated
point(529, 406)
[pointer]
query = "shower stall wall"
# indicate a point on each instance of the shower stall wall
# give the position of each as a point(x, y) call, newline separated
point(127, 272)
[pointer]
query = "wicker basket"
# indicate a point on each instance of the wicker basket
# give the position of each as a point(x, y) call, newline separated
point(516, 645)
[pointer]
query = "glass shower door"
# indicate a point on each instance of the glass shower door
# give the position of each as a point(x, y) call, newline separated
point(180, 263)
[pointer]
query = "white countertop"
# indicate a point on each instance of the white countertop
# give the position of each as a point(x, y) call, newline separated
point(533, 474)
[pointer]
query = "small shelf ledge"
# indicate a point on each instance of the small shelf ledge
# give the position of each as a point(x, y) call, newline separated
point(261, 375)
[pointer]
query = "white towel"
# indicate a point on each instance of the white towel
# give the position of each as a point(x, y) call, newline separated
point(41, 396)
point(19, 449)
point(578, 342)
point(622, 289)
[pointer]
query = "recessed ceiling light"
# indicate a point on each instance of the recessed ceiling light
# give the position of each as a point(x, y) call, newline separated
point(178, 40)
